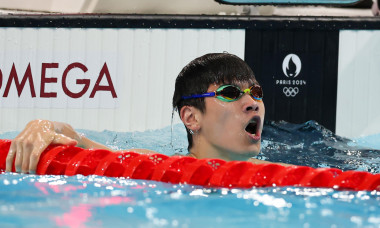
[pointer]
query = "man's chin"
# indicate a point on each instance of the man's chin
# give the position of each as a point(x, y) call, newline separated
point(247, 154)
point(255, 149)
point(242, 153)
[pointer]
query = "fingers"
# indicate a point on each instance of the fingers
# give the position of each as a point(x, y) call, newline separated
point(34, 158)
point(19, 155)
point(25, 153)
point(15, 152)
point(31, 155)
point(24, 164)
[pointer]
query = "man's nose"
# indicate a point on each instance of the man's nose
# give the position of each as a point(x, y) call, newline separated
point(250, 104)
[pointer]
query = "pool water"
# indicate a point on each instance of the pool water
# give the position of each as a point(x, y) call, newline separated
point(94, 201)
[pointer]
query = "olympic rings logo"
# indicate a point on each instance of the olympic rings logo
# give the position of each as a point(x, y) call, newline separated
point(290, 91)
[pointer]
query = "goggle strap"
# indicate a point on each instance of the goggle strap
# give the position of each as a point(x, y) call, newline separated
point(211, 94)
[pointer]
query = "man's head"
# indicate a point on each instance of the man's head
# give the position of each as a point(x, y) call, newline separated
point(209, 72)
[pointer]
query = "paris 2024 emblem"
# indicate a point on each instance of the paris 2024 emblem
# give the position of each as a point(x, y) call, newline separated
point(291, 67)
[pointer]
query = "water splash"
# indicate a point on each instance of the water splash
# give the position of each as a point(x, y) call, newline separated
point(313, 145)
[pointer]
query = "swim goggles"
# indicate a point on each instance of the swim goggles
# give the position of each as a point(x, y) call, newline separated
point(229, 93)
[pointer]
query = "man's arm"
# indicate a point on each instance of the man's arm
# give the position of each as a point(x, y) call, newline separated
point(27, 147)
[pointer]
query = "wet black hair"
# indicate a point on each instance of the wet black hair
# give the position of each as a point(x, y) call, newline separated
point(199, 74)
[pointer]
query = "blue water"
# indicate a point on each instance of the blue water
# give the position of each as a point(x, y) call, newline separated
point(93, 201)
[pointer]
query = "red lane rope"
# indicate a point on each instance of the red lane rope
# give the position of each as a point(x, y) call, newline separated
point(68, 160)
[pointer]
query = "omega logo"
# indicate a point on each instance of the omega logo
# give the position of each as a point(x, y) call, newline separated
point(28, 79)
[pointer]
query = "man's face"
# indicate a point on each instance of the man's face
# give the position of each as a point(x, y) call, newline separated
point(233, 128)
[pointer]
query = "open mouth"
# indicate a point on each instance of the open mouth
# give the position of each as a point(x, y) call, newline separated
point(253, 128)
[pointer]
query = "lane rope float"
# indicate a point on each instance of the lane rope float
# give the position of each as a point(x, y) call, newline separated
point(69, 160)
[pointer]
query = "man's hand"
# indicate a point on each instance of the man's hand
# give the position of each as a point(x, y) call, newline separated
point(27, 147)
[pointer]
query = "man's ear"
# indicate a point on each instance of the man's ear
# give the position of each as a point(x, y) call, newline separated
point(191, 117)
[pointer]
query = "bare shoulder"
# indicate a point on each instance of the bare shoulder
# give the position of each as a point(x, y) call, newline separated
point(144, 151)
point(258, 161)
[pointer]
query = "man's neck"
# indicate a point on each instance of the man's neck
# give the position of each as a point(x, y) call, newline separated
point(203, 149)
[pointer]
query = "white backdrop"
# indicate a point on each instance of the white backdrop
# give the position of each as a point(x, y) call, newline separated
point(358, 104)
point(142, 65)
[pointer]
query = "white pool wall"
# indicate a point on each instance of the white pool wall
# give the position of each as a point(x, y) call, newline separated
point(358, 97)
point(142, 63)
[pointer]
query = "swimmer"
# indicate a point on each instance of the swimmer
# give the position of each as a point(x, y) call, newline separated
point(217, 97)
